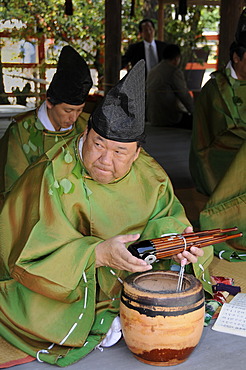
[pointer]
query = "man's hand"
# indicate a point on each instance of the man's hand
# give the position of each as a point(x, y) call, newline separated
point(113, 253)
point(192, 255)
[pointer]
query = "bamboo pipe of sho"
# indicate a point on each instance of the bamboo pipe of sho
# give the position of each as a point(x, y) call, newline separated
point(172, 244)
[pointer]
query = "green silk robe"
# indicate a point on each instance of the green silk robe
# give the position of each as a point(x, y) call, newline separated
point(54, 303)
point(219, 129)
point(24, 141)
point(227, 208)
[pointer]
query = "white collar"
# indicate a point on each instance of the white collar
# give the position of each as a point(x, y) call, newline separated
point(81, 142)
point(44, 118)
point(146, 43)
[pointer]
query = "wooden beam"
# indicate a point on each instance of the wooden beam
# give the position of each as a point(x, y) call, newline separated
point(191, 2)
point(160, 35)
point(112, 59)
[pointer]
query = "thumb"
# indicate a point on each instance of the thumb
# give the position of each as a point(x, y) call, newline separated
point(189, 229)
point(130, 238)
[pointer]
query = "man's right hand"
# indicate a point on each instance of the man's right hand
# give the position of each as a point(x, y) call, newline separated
point(113, 253)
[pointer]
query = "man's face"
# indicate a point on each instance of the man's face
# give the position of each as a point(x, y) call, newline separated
point(63, 115)
point(240, 66)
point(148, 32)
point(107, 160)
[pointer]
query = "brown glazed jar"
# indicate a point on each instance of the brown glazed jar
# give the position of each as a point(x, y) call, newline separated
point(161, 326)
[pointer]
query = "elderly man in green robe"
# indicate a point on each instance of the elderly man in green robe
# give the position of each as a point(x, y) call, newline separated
point(217, 156)
point(68, 222)
point(58, 119)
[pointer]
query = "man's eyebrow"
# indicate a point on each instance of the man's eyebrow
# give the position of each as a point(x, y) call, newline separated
point(118, 147)
point(122, 148)
point(98, 137)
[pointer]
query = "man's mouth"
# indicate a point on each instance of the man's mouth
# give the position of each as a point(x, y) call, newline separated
point(102, 169)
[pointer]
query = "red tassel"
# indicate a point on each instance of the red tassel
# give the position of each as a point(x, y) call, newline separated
point(68, 7)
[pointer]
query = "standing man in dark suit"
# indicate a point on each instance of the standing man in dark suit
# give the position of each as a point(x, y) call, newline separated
point(148, 49)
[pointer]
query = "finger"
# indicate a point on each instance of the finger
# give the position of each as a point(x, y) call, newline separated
point(199, 252)
point(138, 268)
point(188, 229)
point(129, 259)
point(122, 259)
point(177, 257)
point(132, 267)
point(190, 257)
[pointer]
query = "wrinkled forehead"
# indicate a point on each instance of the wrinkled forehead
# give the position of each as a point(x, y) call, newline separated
point(112, 144)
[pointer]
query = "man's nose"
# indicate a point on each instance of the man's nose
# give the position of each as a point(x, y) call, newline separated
point(106, 157)
point(73, 116)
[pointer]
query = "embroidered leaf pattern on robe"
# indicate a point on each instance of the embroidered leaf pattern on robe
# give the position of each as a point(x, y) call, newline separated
point(32, 146)
point(39, 125)
point(68, 158)
point(25, 125)
point(56, 184)
point(26, 148)
point(67, 186)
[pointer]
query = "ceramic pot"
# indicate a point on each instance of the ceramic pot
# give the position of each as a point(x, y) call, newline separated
point(161, 326)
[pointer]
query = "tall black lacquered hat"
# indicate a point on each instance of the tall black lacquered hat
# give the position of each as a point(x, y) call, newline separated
point(121, 114)
point(72, 81)
point(241, 30)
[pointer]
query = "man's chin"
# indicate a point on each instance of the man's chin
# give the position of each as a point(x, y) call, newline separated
point(66, 126)
point(102, 178)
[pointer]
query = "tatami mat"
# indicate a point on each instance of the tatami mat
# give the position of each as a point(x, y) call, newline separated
point(235, 270)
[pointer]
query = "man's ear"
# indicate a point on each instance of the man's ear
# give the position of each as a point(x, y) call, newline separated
point(48, 103)
point(236, 58)
point(85, 132)
point(137, 153)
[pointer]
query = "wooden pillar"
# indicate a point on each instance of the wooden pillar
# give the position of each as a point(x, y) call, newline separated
point(230, 11)
point(41, 64)
point(160, 34)
point(112, 62)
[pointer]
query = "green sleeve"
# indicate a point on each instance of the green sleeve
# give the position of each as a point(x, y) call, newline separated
point(168, 215)
point(44, 251)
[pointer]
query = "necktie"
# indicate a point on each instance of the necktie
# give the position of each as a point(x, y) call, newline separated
point(152, 57)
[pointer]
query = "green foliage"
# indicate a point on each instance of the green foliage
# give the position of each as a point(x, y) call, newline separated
point(84, 30)
point(188, 32)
